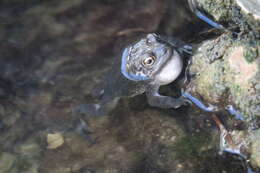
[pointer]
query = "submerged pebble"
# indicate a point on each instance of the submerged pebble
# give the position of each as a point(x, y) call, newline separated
point(255, 148)
point(54, 140)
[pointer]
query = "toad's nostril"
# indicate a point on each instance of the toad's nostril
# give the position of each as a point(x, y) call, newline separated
point(151, 38)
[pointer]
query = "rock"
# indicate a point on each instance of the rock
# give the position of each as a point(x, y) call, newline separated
point(29, 148)
point(231, 77)
point(209, 81)
point(33, 169)
point(251, 7)
point(255, 149)
point(7, 160)
point(213, 7)
point(242, 69)
point(9, 114)
point(54, 140)
point(229, 13)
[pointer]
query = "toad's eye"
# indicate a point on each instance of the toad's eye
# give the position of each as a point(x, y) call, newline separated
point(149, 61)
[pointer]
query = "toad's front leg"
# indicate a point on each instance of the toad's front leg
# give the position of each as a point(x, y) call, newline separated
point(157, 100)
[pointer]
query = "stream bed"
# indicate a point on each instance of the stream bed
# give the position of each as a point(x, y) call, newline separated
point(54, 55)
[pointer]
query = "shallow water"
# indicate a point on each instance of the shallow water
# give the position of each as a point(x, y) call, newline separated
point(52, 56)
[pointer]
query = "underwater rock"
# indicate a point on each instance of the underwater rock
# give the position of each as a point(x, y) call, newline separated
point(29, 148)
point(209, 78)
point(255, 156)
point(6, 162)
point(28, 155)
point(9, 114)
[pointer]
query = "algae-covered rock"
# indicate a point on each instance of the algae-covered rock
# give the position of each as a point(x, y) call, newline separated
point(29, 148)
point(234, 14)
point(209, 69)
point(251, 7)
point(255, 149)
point(6, 162)
point(227, 67)
point(230, 79)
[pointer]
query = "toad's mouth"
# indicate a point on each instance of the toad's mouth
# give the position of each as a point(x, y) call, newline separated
point(130, 76)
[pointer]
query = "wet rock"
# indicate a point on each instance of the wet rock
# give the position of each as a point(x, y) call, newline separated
point(227, 70)
point(242, 69)
point(33, 169)
point(230, 14)
point(26, 164)
point(10, 136)
point(29, 148)
point(7, 160)
point(251, 7)
point(28, 155)
point(231, 78)
point(209, 80)
point(9, 114)
point(213, 8)
point(255, 156)
point(242, 77)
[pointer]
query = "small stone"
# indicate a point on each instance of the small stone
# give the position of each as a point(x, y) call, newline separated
point(6, 162)
point(54, 140)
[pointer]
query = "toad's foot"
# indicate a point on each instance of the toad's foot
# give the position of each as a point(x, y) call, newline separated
point(91, 110)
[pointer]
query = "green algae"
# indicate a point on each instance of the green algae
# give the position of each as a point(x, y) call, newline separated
point(191, 146)
point(251, 54)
